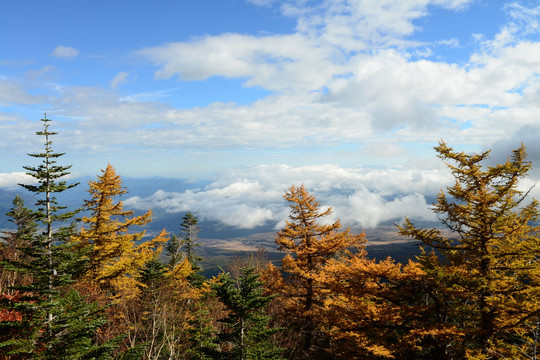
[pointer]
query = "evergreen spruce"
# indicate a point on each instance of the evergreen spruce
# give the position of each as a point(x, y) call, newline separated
point(47, 277)
point(187, 243)
point(52, 323)
point(247, 334)
point(12, 246)
point(202, 335)
point(189, 239)
point(173, 249)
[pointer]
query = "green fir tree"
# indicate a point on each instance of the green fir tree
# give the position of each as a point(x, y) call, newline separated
point(247, 335)
point(189, 239)
point(52, 322)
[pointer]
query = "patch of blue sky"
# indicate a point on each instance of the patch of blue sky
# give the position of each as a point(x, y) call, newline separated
point(451, 34)
point(466, 125)
point(103, 25)
point(499, 107)
point(483, 106)
point(152, 126)
point(462, 125)
point(33, 112)
point(397, 129)
point(519, 89)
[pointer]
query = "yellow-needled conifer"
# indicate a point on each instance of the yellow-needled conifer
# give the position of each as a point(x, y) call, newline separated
point(483, 269)
point(372, 307)
point(309, 243)
point(115, 255)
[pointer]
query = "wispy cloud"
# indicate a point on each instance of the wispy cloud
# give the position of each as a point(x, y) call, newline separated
point(65, 52)
point(119, 79)
point(14, 92)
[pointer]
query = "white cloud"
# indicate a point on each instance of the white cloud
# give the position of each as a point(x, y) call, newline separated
point(11, 180)
point(13, 93)
point(277, 62)
point(65, 52)
point(368, 209)
point(264, 3)
point(254, 197)
point(353, 74)
point(345, 88)
point(309, 59)
point(119, 79)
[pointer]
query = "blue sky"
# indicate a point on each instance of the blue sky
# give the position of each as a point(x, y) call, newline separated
point(239, 91)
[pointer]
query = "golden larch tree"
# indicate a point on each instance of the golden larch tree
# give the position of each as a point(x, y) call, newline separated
point(484, 269)
point(373, 308)
point(115, 258)
point(309, 244)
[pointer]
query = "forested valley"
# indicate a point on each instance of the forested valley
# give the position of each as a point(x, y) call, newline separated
point(82, 283)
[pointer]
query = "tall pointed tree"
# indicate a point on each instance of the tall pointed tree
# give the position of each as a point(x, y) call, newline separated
point(485, 270)
point(309, 244)
point(52, 322)
point(115, 257)
point(189, 239)
point(49, 212)
point(184, 247)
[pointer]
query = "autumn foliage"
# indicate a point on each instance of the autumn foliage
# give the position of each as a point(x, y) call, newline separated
point(113, 254)
point(101, 288)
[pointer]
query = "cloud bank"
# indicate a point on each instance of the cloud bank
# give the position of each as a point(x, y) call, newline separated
point(254, 197)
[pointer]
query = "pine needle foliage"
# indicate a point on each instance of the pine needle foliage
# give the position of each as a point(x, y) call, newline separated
point(189, 239)
point(52, 323)
point(309, 244)
point(12, 245)
point(114, 255)
point(484, 269)
point(247, 335)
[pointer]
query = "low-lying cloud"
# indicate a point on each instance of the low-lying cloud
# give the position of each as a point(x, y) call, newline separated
point(251, 198)
point(11, 180)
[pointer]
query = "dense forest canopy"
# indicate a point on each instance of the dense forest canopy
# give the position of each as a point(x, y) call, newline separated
point(82, 285)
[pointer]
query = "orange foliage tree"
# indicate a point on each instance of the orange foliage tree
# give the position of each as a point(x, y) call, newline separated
point(114, 258)
point(309, 245)
point(373, 307)
point(484, 271)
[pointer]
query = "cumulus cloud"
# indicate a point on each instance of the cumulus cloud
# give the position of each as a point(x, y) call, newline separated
point(254, 197)
point(346, 86)
point(65, 52)
point(350, 67)
point(326, 36)
point(275, 62)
